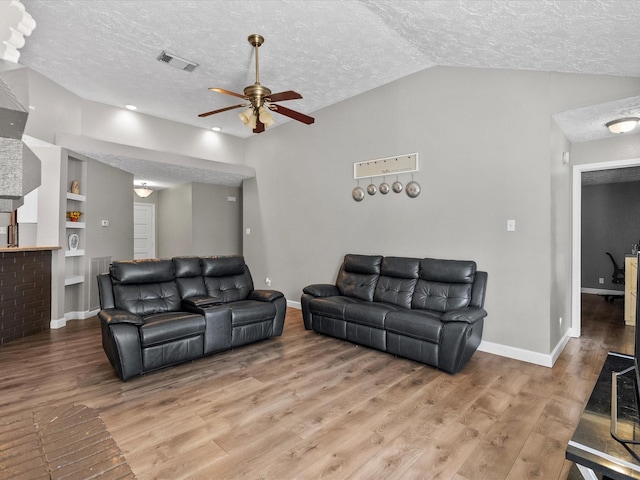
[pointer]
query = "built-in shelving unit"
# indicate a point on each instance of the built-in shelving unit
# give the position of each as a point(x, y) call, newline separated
point(73, 280)
point(74, 235)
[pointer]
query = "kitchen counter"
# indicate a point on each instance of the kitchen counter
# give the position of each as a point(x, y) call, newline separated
point(26, 249)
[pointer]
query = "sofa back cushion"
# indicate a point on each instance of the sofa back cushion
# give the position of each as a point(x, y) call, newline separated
point(144, 287)
point(444, 285)
point(147, 298)
point(188, 272)
point(358, 276)
point(226, 279)
point(141, 271)
point(398, 278)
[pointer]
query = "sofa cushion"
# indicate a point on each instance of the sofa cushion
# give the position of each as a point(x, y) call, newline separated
point(441, 297)
point(191, 287)
point(228, 289)
point(245, 312)
point(187, 267)
point(332, 307)
point(420, 325)
point(358, 276)
point(129, 272)
point(397, 291)
point(368, 314)
point(147, 299)
point(398, 277)
point(226, 279)
point(167, 327)
point(447, 271)
point(223, 266)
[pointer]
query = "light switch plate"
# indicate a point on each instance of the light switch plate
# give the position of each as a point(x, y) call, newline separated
point(511, 225)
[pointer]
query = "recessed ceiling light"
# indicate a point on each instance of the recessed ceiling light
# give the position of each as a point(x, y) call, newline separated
point(130, 107)
point(216, 129)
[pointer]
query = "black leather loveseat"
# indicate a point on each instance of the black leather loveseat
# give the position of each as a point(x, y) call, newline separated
point(427, 310)
point(156, 313)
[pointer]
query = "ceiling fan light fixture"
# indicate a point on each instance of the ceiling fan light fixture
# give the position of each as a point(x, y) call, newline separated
point(265, 117)
point(142, 191)
point(622, 125)
point(249, 118)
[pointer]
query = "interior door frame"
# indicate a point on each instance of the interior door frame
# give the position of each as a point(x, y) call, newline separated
point(576, 256)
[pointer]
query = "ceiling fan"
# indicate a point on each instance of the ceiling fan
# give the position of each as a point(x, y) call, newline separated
point(257, 116)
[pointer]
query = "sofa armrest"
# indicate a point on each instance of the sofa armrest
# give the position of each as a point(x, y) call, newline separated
point(321, 290)
point(265, 295)
point(112, 316)
point(468, 315)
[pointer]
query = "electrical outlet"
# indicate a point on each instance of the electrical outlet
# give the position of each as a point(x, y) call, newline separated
point(601, 281)
point(3, 230)
point(267, 281)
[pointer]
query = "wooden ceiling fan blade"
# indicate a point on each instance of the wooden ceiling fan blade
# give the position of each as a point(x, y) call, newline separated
point(259, 127)
point(227, 92)
point(213, 112)
point(301, 117)
point(282, 96)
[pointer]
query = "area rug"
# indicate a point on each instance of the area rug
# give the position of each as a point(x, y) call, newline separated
point(68, 441)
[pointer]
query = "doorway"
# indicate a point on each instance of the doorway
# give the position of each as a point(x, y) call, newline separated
point(144, 230)
point(576, 247)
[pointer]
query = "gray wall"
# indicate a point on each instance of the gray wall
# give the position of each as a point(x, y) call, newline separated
point(174, 222)
point(610, 222)
point(109, 198)
point(217, 222)
point(489, 151)
point(197, 219)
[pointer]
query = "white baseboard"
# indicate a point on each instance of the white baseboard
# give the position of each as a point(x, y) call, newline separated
point(516, 353)
point(62, 322)
point(601, 291)
point(292, 304)
point(545, 360)
point(59, 323)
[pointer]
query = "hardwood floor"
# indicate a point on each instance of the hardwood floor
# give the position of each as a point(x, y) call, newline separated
point(306, 406)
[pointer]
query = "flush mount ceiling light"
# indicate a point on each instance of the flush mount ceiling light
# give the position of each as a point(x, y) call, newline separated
point(622, 125)
point(133, 108)
point(143, 191)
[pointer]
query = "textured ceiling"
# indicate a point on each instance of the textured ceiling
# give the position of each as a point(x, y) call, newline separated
point(105, 51)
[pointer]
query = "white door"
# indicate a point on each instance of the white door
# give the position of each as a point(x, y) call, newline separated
point(144, 230)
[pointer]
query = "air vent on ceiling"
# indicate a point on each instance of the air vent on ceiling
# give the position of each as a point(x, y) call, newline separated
point(177, 62)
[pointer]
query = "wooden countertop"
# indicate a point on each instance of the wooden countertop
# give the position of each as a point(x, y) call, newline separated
point(26, 249)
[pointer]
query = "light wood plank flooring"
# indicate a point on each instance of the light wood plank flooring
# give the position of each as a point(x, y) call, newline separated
point(305, 406)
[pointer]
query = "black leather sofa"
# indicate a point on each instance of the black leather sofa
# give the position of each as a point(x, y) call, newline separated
point(156, 313)
point(427, 310)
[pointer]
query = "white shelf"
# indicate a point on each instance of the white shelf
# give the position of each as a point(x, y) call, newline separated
point(73, 280)
point(76, 196)
point(75, 225)
point(74, 253)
